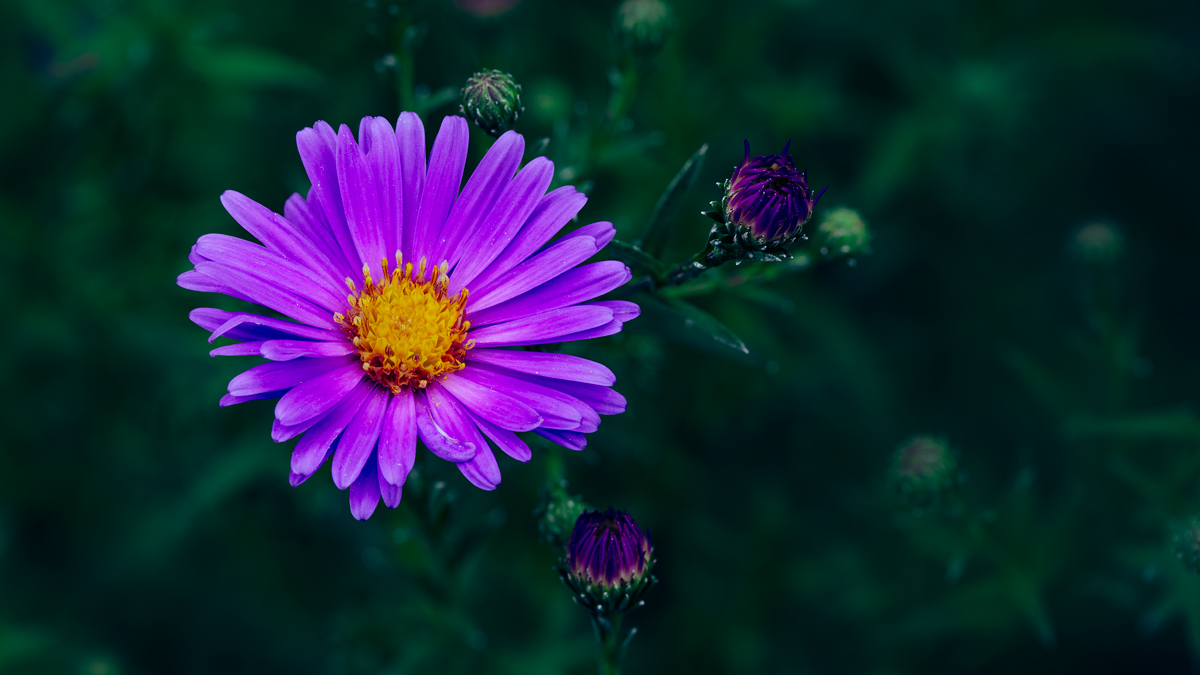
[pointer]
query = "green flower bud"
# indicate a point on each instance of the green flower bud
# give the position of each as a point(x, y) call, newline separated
point(492, 100)
point(923, 469)
point(1098, 244)
point(1187, 543)
point(557, 512)
point(842, 232)
point(642, 26)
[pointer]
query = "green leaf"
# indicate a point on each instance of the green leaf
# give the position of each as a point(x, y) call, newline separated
point(657, 230)
point(633, 256)
point(698, 320)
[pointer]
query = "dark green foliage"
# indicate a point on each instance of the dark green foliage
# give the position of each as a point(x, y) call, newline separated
point(145, 530)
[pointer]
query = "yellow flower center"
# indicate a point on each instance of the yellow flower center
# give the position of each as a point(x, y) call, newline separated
point(408, 329)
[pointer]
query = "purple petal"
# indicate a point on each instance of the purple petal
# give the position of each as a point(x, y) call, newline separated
point(318, 153)
point(482, 470)
point(438, 432)
point(543, 327)
point(603, 400)
point(410, 134)
point(558, 410)
point(282, 238)
point(286, 350)
point(611, 328)
point(483, 188)
point(507, 441)
point(242, 326)
point(489, 238)
point(268, 294)
point(494, 406)
point(603, 232)
point(240, 349)
point(250, 257)
point(571, 440)
point(358, 441)
point(285, 375)
point(548, 264)
point(554, 211)
point(230, 399)
point(195, 281)
point(569, 288)
point(318, 395)
point(282, 432)
point(391, 493)
point(398, 441)
point(623, 310)
point(556, 366)
point(360, 199)
point(364, 493)
point(446, 162)
point(309, 219)
point(317, 445)
point(378, 140)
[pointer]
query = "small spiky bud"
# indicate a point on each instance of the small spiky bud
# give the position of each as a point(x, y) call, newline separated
point(642, 26)
point(557, 512)
point(842, 232)
point(923, 470)
point(492, 101)
point(608, 562)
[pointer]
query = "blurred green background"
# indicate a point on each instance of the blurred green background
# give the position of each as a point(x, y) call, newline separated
point(145, 530)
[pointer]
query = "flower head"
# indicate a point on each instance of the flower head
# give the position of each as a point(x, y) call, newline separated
point(842, 232)
point(643, 25)
point(608, 561)
point(923, 468)
point(769, 197)
point(401, 292)
point(492, 101)
point(1098, 244)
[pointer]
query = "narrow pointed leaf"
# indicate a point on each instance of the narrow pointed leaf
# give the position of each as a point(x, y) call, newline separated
point(658, 230)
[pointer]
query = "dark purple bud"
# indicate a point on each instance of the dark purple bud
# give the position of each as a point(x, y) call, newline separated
point(768, 196)
point(608, 561)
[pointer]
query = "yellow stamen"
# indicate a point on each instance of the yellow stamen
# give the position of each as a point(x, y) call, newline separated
point(408, 329)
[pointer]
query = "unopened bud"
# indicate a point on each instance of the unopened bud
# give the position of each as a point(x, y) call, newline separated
point(608, 563)
point(642, 26)
point(492, 101)
point(1098, 244)
point(1187, 543)
point(923, 469)
point(842, 232)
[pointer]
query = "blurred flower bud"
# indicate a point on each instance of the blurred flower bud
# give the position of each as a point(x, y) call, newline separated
point(557, 512)
point(608, 562)
point(1187, 543)
point(492, 100)
point(923, 469)
point(642, 26)
point(1098, 244)
point(842, 232)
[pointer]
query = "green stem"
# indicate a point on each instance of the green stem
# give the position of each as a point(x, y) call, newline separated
point(407, 36)
point(608, 644)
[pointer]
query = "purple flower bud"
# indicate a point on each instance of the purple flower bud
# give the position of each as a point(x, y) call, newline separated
point(608, 561)
point(768, 196)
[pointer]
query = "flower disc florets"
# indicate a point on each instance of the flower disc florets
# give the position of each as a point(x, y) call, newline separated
point(408, 330)
point(924, 468)
point(608, 562)
point(492, 101)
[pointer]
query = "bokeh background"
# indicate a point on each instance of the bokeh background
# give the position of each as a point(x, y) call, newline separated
point(145, 530)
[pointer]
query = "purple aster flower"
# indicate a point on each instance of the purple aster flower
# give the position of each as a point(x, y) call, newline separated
point(401, 293)
point(608, 561)
point(768, 196)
